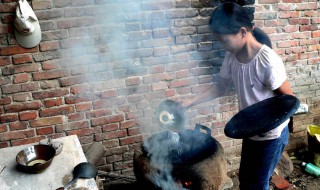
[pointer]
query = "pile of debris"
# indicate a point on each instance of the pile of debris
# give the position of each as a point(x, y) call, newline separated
point(297, 178)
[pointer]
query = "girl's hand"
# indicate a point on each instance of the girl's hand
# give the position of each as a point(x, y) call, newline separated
point(185, 103)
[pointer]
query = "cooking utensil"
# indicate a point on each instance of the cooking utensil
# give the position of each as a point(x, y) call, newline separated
point(197, 145)
point(35, 159)
point(262, 116)
point(170, 115)
point(84, 170)
point(185, 147)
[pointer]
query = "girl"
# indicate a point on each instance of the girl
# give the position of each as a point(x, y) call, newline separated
point(257, 73)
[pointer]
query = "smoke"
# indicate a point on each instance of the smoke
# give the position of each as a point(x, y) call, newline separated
point(109, 48)
point(161, 149)
point(121, 44)
point(117, 44)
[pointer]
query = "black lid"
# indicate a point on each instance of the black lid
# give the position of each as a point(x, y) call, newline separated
point(262, 117)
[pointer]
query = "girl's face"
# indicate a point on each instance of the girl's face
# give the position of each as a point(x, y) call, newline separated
point(232, 42)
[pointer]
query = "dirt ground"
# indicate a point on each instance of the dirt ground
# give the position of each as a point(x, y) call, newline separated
point(299, 179)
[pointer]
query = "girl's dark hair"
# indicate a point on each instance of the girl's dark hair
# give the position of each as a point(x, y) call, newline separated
point(262, 37)
point(229, 17)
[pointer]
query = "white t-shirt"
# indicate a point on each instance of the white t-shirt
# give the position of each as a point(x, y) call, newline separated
point(255, 81)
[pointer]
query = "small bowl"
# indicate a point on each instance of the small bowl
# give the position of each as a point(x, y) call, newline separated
point(36, 158)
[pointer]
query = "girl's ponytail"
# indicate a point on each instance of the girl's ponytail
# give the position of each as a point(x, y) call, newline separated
point(262, 37)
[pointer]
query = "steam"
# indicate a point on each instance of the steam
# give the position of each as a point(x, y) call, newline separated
point(119, 46)
point(160, 151)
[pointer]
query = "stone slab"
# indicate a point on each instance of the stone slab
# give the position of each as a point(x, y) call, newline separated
point(57, 175)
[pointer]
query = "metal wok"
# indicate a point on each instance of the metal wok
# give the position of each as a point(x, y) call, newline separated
point(185, 147)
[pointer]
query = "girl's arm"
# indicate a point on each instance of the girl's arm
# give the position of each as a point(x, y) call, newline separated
point(284, 88)
point(216, 90)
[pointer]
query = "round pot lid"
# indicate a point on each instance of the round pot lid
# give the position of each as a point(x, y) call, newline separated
point(170, 115)
point(261, 117)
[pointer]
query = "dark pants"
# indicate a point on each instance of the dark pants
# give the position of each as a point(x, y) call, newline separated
point(258, 161)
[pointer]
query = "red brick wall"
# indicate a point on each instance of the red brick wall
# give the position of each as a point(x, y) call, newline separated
point(102, 68)
point(293, 26)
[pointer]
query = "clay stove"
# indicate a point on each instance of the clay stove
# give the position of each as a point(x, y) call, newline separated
point(186, 160)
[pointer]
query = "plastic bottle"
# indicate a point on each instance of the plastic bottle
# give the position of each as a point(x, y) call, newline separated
point(312, 169)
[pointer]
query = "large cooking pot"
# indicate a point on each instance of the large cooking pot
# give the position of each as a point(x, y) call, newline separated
point(176, 144)
point(184, 147)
